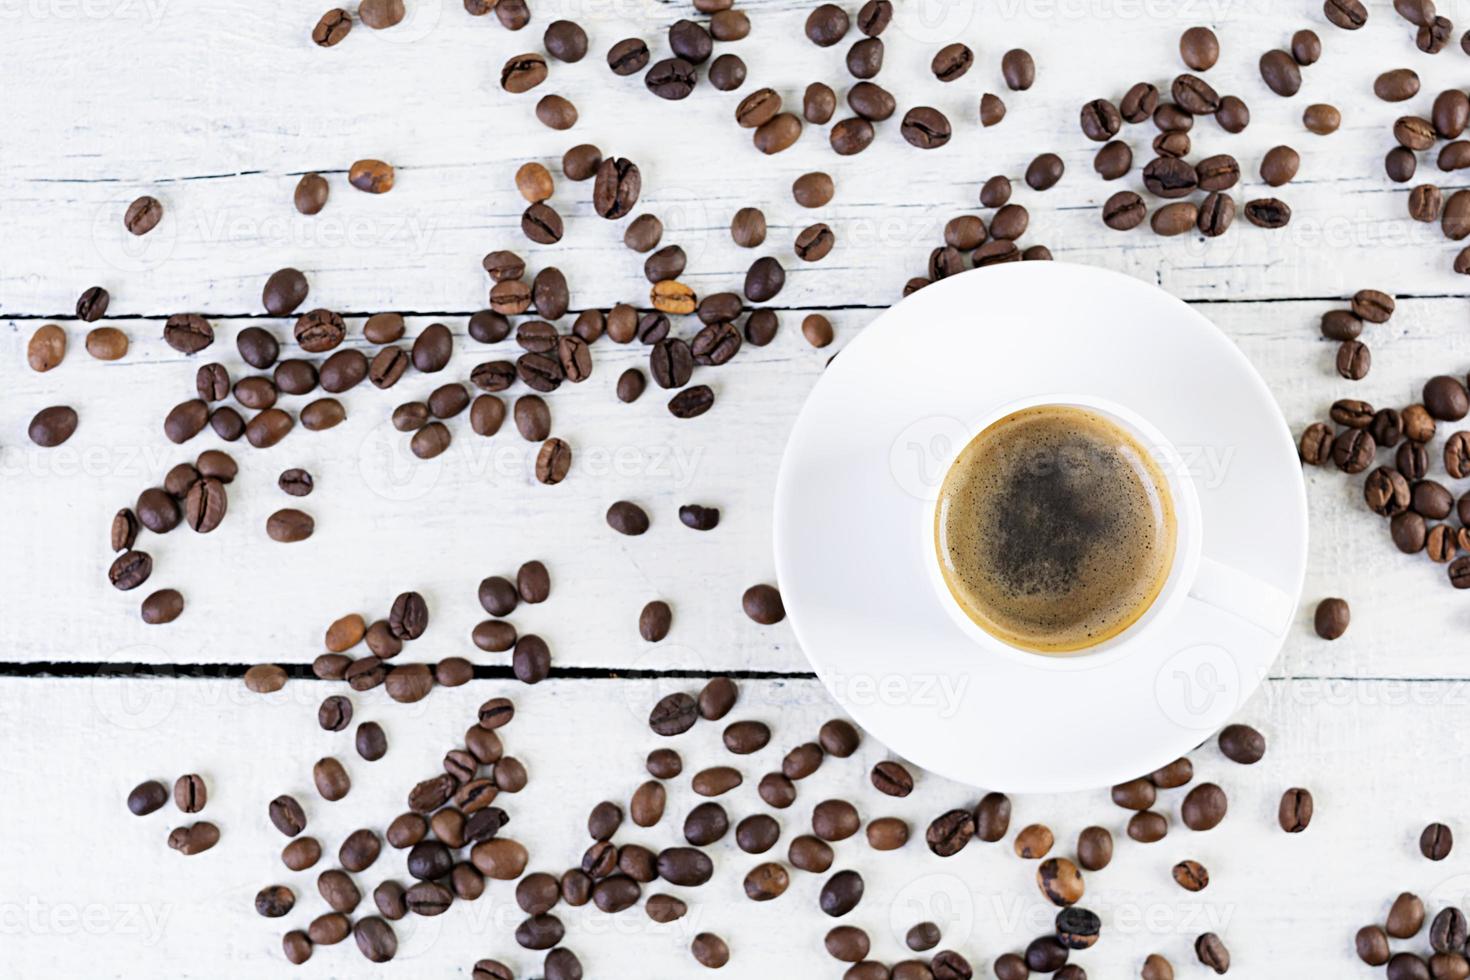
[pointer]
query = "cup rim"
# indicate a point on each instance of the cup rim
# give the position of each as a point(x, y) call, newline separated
point(1187, 549)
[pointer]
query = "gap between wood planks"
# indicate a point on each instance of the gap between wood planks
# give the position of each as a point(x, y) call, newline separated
point(835, 308)
point(100, 668)
point(92, 669)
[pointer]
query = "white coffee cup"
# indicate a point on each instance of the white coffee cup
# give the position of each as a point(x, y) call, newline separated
point(1194, 575)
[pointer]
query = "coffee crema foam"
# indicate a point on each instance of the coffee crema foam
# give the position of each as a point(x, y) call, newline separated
point(1055, 529)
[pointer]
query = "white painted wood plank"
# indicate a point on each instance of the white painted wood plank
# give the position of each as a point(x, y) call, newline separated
point(1287, 905)
point(387, 522)
point(241, 97)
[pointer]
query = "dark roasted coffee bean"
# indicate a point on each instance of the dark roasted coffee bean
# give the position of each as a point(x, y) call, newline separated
point(1100, 120)
point(143, 215)
point(1211, 951)
point(1019, 69)
point(841, 893)
point(727, 72)
point(1148, 827)
point(146, 798)
point(1396, 85)
point(194, 838)
point(925, 127)
point(671, 78)
point(1216, 213)
point(950, 63)
point(950, 832)
point(706, 824)
point(684, 866)
point(1386, 492)
point(826, 25)
point(1436, 842)
point(1044, 171)
point(1124, 210)
point(1353, 357)
point(1281, 73)
point(188, 333)
point(334, 714)
point(674, 715)
point(1175, 219)
point(1168, 177)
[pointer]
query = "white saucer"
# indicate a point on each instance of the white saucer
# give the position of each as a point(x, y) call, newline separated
point(856, 493)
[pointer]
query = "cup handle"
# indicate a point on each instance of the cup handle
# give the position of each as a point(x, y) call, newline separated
point(1245, 596)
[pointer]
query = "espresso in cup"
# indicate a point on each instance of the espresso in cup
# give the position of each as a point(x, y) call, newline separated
point(1055, 529)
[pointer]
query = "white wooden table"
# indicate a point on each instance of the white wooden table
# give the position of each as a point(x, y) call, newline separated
point(217, 107)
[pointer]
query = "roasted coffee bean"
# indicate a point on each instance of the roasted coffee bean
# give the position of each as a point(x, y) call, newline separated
point(707, 948)
point(950, 63)
point(106, 343)
point(849, 944)
point(1315, 447)
point(194, 838)
point(1204, 806)
point(1279, 165)
point(334, 714)
point(146, 798)
point(1216, 213)
point(372, 743)
point(1195, 95)
point(1175, 219)
point(1412, 461)
point(925, 127)
point(1019, 69)
point(143, 215)
point(1148, 827)
point(1044, 171)
point(826, 25)
point(1431, 500)
point(716, 781)
point(1233, 115)
point(1211, 951)
point(556, 112)
point(130, 570)
point(1409, 532)
point(1060, 881)
point(950, 832)
point(1419, 425)
point(1351, 412)
point(727, 72)
point(865, 61)
point(834, 820)
point(566, 41)
point(1094, 848)
point(331, 779)
point(1448, 931)
point(1124, 210)
point(766, 881)
point(1136, 794)
point(705, 824)
point(1191, 876)
point(674, 714)
point(1267, 212)
point(1396, 85)
point(1199, 48)
point(628, 56)
point(1321, 119)
point(851, 136)
point(1436, 842)
point(163, 606)
point(684, 866)
point(1168, 177)
point(1139, 102)
point(671, 78)
point(1386, 492)
point(1113, 161)
point(1330, 622)
point(841, 893)
point(1445, 398)
point(522, 73)
point(188, 333)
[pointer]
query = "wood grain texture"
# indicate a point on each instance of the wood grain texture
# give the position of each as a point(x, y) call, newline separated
point(1287, 905)
point(221, 107)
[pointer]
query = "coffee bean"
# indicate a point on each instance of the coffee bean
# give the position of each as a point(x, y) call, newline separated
point(1123, 211)
point(707, 948)
point(1396, 85)
point(1172, 118)
point(1044, 171)
point(329, 929)
point(1155, 967)
point(949, 832)
point(826, 25)
point(1148, 827)
point(1210, 949)
point(289, 525)
point(727, 72)
point(1436, 842)
point(706, 824)
point(332, 781)
point(1191, 876)
point(1168, 177)
point(951, 62)
point(1321, 119)
point(1175, 219)
point(1204, 806)
point(834, 820)
point(1019, 69)
point(925, 127)
point(106, 343)
point(671, 78)
point(163, 606)
point(1194, 95)
point(1281, 73)
point(194, 838)
point(1386, 492)
point(1346, 14)
point(1060, 881)
point(1136, 794)
point(1295, 811)
point(841, 893)
point(1199, 48)
point(1279, 165)
point(188, 333)
point(523, 72)
point(146, 798)
point(566, 41)
point(130, 570)
point(143, 215)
